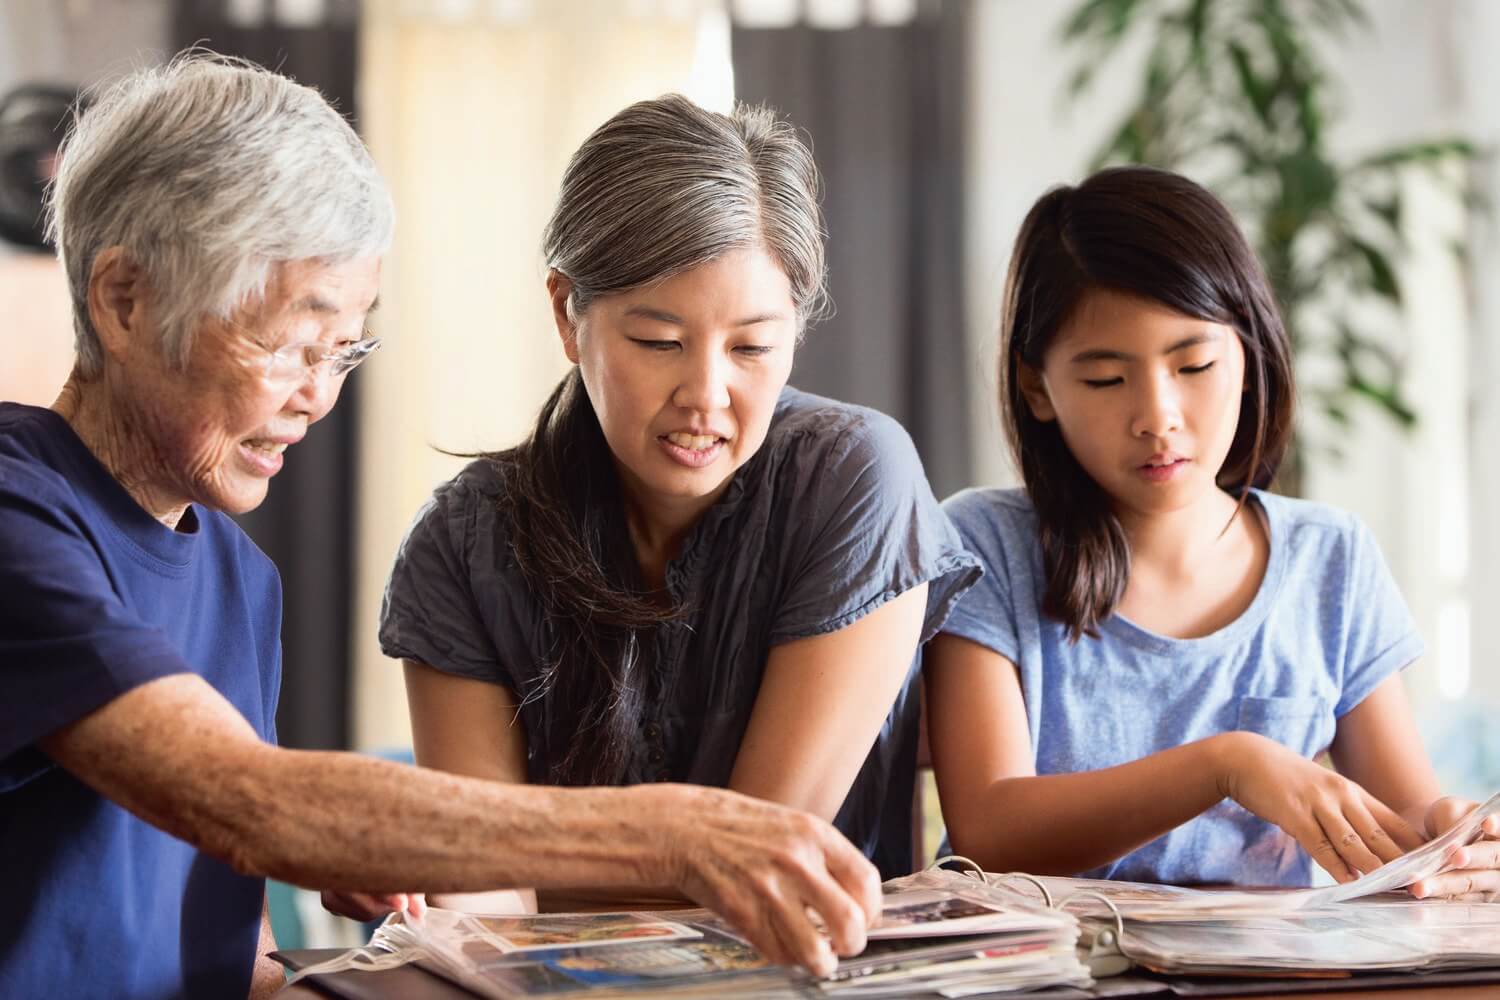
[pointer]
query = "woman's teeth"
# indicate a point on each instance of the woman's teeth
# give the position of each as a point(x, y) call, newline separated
point(269, 447)
point(692, 442)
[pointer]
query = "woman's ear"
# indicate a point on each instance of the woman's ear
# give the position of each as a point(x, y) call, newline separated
point(1034, 391)
point(116, 300)
point(559, 289)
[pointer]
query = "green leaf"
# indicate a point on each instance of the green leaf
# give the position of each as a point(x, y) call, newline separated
point(1389, 210)
point(1382, 276)
point(1388, 398)
point(1106, 19)
point(1258, 93)
point(1429, 153)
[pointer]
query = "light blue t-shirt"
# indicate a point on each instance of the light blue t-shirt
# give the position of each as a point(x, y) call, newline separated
point(1326, 627)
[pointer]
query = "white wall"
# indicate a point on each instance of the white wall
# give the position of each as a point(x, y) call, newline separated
point(1423, 69)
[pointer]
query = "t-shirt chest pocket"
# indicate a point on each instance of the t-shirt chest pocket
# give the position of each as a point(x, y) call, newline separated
point(1303, 723)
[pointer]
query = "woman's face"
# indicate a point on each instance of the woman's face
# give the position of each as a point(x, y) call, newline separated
point(215, 431)
point(684, 374)
point(1147, 399)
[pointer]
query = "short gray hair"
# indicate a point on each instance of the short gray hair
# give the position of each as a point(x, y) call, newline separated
point(208, 172)
point(665, 185)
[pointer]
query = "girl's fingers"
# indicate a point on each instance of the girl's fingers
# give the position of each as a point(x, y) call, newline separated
point(1460, 884)
point(1405, 836)
point(1320, 848)
point(1377, 838)
point(1346, 840)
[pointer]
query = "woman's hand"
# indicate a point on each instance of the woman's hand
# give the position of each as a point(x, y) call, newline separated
point(363, 906)
point(1475, 874)
point(763, 867)
point(1345, 829)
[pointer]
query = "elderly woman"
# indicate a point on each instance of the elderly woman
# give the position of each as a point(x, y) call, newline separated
point(221, 230)
point(690, 571)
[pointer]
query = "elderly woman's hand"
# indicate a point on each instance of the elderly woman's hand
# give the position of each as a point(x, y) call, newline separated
point(1475, 872)
point(764, 867)
point(363, 906)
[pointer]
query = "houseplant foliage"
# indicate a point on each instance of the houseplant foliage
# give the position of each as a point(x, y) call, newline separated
point(1235, 94)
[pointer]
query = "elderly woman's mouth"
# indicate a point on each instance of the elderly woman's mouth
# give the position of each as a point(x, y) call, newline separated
point(266, 446)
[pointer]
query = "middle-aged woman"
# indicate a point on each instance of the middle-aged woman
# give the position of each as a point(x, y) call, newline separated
point(688, 571)
point(221, 229)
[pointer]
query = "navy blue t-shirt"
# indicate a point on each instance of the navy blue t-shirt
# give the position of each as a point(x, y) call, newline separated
point(96, 598)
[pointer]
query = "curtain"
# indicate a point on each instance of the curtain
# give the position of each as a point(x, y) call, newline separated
point(472, 111)
point(306, 523)
point(884, 106)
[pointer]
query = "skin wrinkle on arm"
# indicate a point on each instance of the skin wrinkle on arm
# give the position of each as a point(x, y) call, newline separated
point(176, 754)
point(469, 727)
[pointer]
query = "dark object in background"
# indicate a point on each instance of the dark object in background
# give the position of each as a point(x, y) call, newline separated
point(885, 108)
point(33, 120)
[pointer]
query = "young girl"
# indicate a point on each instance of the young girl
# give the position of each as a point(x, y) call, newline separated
point(1158, 650)
point(689, 571)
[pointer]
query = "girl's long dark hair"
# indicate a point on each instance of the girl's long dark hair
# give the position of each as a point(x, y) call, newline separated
point(661, 187)
point(1159, 236)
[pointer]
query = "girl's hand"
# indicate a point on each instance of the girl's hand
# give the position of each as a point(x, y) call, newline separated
point(1476, 868)
point(1345, 829)
point(363, 906)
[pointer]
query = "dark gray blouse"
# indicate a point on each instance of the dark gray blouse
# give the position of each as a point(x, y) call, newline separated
point(830, 519)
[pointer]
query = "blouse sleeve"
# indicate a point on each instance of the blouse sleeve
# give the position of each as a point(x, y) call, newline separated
point(866, 528)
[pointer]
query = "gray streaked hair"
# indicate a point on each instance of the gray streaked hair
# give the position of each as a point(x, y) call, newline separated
point(208, 172)
point(665, 185)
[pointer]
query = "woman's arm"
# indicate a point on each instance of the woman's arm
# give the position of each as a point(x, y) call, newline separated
point(1007, 818)
point(177, 754)
point(469, 727)
point(821, 704)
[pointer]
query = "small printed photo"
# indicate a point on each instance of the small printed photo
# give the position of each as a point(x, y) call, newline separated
point(924, 907)
point(580, 930)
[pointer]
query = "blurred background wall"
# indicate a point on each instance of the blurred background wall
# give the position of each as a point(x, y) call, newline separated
point(936, 123)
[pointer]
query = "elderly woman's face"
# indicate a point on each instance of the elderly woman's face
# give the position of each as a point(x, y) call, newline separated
point(684, 374)
point(218, 429)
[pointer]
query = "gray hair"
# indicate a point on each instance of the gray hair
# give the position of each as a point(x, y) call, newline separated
point(665, 185)
point(208, 172)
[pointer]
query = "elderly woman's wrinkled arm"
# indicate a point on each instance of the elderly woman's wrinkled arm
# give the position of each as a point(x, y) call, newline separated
point(175, 753)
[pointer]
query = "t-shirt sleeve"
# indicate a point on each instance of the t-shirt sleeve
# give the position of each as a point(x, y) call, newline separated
point(1382, 638)
point(865, 529)
point(986, 615)
point(68, 644)
point(434, 608)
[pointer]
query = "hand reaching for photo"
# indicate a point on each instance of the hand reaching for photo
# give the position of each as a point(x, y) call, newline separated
point(1474, 875)
point(1347, 831)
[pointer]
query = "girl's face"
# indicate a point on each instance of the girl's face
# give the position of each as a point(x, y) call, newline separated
point(1147, 399)
point(684, 374)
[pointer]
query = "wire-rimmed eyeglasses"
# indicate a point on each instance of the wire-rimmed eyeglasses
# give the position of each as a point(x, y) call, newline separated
point(294, 362)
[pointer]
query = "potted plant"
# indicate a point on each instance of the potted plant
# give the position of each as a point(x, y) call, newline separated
point(1234, 94)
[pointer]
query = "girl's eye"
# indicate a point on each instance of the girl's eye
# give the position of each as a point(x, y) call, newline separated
point(654, 345)
point(754, 350)
point(1103, 383)
point(1197, 369)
